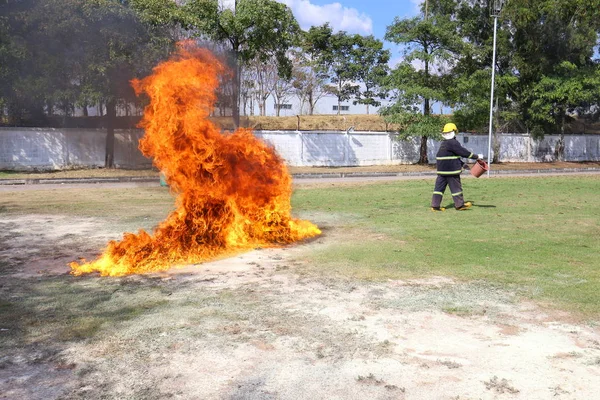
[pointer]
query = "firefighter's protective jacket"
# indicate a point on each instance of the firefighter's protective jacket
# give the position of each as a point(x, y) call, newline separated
point(448, 157)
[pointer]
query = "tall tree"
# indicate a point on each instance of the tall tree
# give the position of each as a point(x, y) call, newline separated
point(283, 89)
point(310, 71)
point(253, 29)
point(550, 39)
point(469, 82)
point(264, 76)
point(11, 53)
point(567, 89)
point(123, 46)
point(309, 87)
point(77, 52)
point(342, 67)
point(429, 42)
point(535, 40)
point(372, 62)
point(35, 45)
point(247, 92)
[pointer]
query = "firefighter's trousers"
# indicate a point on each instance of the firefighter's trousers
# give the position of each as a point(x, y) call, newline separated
point(455, 189)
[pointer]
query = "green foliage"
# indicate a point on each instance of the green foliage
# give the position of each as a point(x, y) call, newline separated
point(567, 89)
point(536, 41)
point(429, 41)
point(414, 124)
point(56, 55)
point(63, 53)
point(341, 65)
point(552, 45)
point(371, 60)
point(338, 61)
point(255, 29)
point(160, 12)
point(311, 65)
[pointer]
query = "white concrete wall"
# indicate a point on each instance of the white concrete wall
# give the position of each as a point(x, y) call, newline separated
point(54, 149)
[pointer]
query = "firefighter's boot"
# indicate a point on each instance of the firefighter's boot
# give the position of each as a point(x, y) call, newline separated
point(465, 206)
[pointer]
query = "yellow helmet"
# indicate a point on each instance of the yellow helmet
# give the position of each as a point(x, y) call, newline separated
point(450, 127)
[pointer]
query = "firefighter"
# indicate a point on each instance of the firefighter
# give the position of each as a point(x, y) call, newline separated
point(449, 168)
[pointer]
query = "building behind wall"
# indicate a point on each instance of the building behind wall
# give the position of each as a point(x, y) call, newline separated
point(326, 105)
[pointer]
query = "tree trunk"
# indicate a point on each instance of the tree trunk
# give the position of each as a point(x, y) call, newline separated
point(260, 108)
point(36, 113)
point(423, 151)
point(559, 150)
point(495, 141)
point(426, 111)
point(423, 148)
point(111, 115)
point(235, 101)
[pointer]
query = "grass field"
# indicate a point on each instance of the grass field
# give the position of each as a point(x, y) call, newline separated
point(541, 235)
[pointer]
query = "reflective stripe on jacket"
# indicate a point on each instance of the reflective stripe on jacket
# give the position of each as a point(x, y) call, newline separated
point(448, 157)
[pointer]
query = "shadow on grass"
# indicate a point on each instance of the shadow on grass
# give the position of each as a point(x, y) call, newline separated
point(41, 317)
point(473, 204)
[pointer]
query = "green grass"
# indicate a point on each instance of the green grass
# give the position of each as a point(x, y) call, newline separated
point(541, 235)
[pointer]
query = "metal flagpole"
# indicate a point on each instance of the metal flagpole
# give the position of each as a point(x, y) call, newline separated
point(495, 12)
point(489, 152)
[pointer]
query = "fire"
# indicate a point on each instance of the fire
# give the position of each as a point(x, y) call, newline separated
point(233, 190)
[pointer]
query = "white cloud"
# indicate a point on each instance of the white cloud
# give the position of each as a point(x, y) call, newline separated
point(340, 18)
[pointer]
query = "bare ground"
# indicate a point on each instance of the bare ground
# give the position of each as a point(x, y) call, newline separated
point(260, 325)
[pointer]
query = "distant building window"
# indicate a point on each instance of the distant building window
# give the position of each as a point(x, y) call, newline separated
point(282, 106)
point(342, 108)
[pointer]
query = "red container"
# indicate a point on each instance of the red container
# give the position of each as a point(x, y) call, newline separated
point(479, 168)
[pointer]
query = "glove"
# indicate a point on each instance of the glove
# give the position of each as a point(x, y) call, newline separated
point(480, 156)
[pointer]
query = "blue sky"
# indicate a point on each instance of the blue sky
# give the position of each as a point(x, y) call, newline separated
point(353, 16)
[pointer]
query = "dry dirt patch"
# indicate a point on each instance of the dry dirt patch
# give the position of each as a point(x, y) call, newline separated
point(258, 326)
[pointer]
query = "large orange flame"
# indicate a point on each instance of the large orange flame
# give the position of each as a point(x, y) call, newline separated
point(233, 190)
